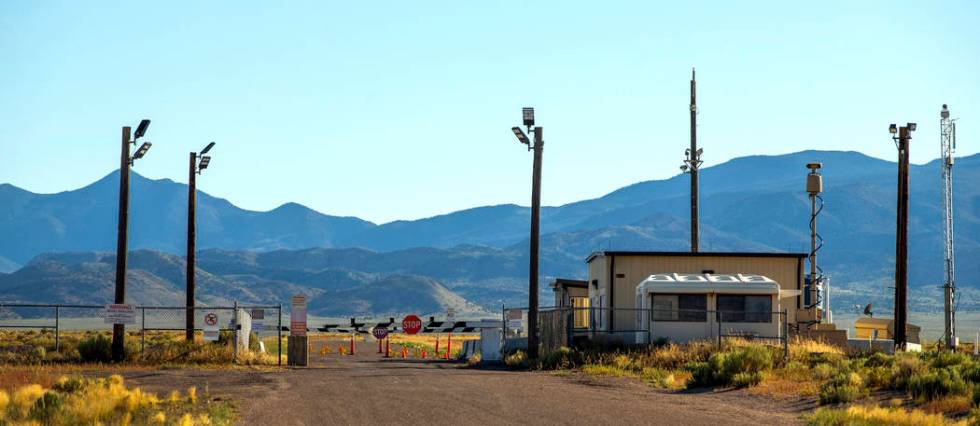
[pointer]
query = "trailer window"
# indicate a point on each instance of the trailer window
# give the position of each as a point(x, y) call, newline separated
point(680, 307)
point(739, 308)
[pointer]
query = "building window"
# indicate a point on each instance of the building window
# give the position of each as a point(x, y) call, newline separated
point(680, 307)
point(737, 308)
point(580, 312)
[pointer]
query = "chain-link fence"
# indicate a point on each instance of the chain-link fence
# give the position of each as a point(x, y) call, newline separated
point(564, 326)
point(238, 323)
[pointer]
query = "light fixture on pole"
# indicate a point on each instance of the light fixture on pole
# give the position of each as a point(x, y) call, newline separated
point(196, 167)
point(527, 115)
point(122, 233)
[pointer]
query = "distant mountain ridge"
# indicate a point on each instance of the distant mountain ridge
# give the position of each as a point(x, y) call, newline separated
point(754, 203)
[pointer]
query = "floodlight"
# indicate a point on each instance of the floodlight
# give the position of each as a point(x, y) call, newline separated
point(684, 168)
point(142, 150)
point(205, 160)
point(893, 129)
point(945, 112)
point(911, 126)
point(700, 151)
point(521, 136)
point(687, 151)
point(814, 166)
point(207, 148)
point(528, 114)
point(141, 129)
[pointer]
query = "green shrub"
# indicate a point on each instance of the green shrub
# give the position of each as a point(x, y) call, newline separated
point(905, 367)
point(823, 371)
point(701, 373)
point(844, 387)
point(878, 377)
point(949, 359)
point(46, 408)
point(558, 359)
point(936, 384)
point(517, 359)
point(880, 359)
point(971, 373)
point(750, 359)
point(96, 348)
point(976, 395)
point(746, 379)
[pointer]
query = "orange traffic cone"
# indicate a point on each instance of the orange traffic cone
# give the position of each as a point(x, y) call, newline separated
point(340, 349)
point(423, 354)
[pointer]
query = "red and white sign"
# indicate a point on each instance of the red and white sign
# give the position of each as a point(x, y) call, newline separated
point(380, 332)
point(212, 331)
point(120, 314)
point(297, 316)
point(412, 324)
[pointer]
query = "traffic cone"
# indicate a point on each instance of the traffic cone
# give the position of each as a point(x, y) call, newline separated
point(388, 348)
point(404, 352)
point(379, 346)
point(437, 345)
point(340, 349)
point(449, 345)
point(423, 354)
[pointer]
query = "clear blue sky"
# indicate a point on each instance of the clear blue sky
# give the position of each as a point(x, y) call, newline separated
point(401, 110)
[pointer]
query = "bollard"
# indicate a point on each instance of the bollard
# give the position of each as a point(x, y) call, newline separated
point(449, 344)
point(379, 346)
point(352, 344)
point(437, 345)
point(388, 347)
point(404, 352)
point(423, 353)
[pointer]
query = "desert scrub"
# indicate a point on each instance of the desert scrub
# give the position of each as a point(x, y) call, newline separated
point(937, 383)
point(859, 415)
point(845, 387)
point(740, 367)
point(97, 401)
point(518, 359)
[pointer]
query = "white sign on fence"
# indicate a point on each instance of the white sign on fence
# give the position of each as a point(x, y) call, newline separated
point(120, 314)
point(258, 318)
point(212, 329)
point(297, 316)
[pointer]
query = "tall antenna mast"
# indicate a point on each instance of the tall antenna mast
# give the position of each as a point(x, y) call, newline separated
point(948, 146)
point(692, 163)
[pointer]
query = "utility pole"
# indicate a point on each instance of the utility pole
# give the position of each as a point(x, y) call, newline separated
point(532, 317)
point(191, 242)
point(948, 146)
point(692, 163)
point(122, 241)
point(537, 147)
point(902, 236)
point(193, 170)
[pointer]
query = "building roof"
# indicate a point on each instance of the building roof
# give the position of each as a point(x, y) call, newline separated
point(690, 254)
point(565, 282)
point(708, 283)
point(881, 323)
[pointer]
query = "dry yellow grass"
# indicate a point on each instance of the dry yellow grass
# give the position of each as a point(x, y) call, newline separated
point(864, 415)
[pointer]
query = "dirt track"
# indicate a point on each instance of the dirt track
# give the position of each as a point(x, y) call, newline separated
point(366, 389)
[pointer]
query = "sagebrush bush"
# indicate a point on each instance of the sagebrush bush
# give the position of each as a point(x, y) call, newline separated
point(518, 359)
point(749, 363)
point(97, 348)
point(844, 387)
point(558, 359)
point(937, 384)
point(949, 359)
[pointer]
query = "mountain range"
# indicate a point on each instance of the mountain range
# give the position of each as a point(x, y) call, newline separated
point(477, 258)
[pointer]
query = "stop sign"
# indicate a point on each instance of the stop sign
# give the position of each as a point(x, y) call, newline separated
point(412, 324)
point(380, 332)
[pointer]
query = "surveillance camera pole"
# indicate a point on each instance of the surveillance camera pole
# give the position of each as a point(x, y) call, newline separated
point(532, 316)
point(125, 161)
point(191, 242)
point(695, 162)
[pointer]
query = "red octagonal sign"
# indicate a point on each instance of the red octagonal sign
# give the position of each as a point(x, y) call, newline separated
point(412, 324)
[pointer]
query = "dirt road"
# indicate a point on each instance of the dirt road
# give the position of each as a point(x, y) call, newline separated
point(366, 389)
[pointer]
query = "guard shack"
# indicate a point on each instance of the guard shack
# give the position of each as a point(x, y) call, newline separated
point(614, 278)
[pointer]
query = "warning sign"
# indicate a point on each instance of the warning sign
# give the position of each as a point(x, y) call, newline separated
point(297, 316)
point(412, 324)
point(120, 314)
point(380, 332)
point(212, 331)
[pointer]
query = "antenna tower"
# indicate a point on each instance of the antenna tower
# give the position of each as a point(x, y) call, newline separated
point(948, 146)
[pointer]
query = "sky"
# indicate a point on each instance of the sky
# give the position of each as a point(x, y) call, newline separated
point(402, 110)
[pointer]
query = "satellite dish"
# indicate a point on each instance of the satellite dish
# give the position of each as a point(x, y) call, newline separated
point(867, 310)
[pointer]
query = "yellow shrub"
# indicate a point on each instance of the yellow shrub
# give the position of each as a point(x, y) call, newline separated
point(24, 399)
point(192, 395)
point(4, 400)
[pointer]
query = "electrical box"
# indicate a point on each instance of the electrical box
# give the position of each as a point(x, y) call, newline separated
point(814, 183)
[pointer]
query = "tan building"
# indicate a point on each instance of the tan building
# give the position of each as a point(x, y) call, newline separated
point(573, 294)
point(615, 275)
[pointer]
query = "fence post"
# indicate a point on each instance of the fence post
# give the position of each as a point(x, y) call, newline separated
point(785, 335)
point(57, 328)
point(143, 332)
point(280, 334)
point(718, 321)
point(235, 331)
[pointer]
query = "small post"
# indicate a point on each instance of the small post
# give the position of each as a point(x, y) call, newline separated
point(352, 343)
point(449, 344)
point(143, 332)
point(57, 328)
point(785, 335)
point(388, 347)
point(718, 321)
point(235, 330)
point(280, 334)
point(437, 345)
